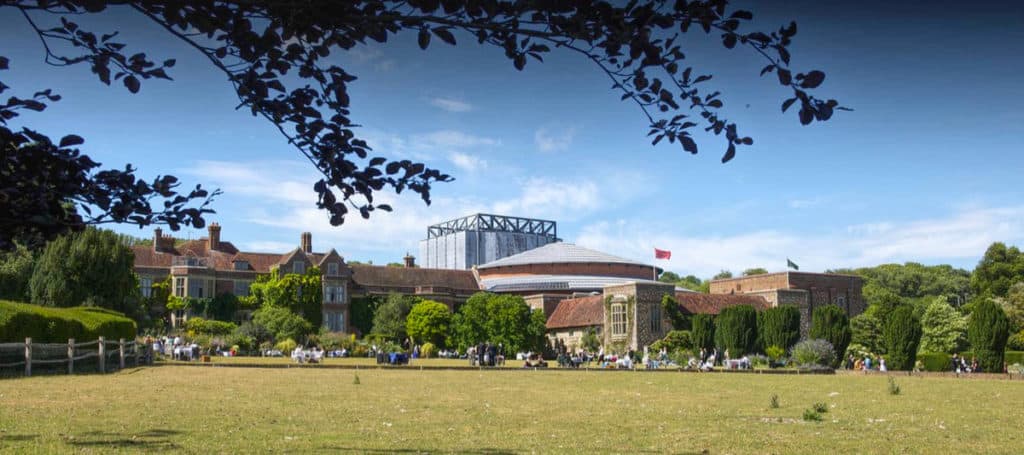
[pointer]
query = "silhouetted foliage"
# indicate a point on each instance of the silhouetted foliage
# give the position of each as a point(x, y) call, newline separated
point(276, 55)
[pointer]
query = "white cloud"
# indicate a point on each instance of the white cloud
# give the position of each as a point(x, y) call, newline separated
point(450, 139)
point(467, 162)
point(553, 199)
point(805, 203)
point(548, 141)
point(961, 237)
point(451, 105)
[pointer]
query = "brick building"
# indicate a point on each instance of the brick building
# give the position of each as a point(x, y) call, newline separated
point(803, 289)
point(209, 267)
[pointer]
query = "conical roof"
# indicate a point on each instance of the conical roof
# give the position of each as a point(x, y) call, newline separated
point(559, 253)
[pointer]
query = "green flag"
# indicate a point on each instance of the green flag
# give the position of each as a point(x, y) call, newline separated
point(792, 264)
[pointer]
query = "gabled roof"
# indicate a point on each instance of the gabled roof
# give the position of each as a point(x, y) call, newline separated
point(297, 252)
point(558, 253)
point(578, 312)
point(402, 277)
point(699, 303)
point(333, 254)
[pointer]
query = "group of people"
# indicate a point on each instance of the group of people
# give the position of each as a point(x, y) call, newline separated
point(867, 363)
point(313, 355)
point(175, 348)
point(961, 365)
point(486, 354)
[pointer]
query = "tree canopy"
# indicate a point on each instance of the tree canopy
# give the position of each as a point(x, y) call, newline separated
point(276, 56)
point(428, 322)
point(494, 318)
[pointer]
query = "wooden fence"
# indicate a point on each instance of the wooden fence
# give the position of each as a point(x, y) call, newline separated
point(101, 356)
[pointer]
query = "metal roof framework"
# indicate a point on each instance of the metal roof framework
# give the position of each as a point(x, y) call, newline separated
point(495, 223)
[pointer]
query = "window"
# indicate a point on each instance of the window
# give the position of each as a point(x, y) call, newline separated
point(618, 320)
point(299, 267)
point(241, 288)
point(841, 301)
point(334, 321)
point(332, 269)
point(179, 287)
point(329, 295)
point(241, 265)
point(199, 288)
point(339, 293)
point(146, 286)
point(656, 318)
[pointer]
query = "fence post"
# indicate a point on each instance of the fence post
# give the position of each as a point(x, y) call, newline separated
point(28, 356)
point(71, 356)
point(103, 355)
point(120, 352)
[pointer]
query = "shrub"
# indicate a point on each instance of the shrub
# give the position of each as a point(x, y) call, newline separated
point(703, 332)
point(428, 350)
point(56, 325)
point(241, 342)
point(902, 335)
point(935, 361)
point(736, 329)
point(779, 326)
point(360, 350)
point(830, 323)
point(810, 353)
point(674, 341)
point(209, 327)
point(336, 340)
point(282, 323)
point(773, 402)
point(775, 353)
point(894, 388)
point(820, 408)
point(286, 346)
point(811, 416)
point(1012, 357)
point(988, 330)
point(1016, 341)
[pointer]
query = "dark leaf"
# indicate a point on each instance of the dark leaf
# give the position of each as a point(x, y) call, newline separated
point(729, 154)
point(813, 79)
point(688, 144)
point(787, 103)
point(71, 140)
point(785, 78)
point(424, 38)
point(445, 35)
point(132, 84)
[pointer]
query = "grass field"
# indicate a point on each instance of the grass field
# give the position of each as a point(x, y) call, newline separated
point(244, 410)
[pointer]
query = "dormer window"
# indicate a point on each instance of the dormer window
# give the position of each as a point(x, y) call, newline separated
point(332, 269)
point(241, 265)
point(299, 267)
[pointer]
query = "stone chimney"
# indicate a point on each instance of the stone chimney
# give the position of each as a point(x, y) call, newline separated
point(162, 242)
point(213, 243)
point(157, 235)
point(410, 261)
point(307, 242)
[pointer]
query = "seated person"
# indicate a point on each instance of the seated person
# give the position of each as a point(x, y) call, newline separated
point(298, 355)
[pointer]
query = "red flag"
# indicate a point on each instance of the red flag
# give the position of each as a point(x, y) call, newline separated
point(662, 254)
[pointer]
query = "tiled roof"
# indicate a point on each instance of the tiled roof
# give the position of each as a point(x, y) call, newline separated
point(698, 303)
point(558, 253)
point(553, 283)
point(578, 312)
point(402, 277)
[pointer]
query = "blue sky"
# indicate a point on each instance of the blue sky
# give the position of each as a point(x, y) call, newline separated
point(925, 169)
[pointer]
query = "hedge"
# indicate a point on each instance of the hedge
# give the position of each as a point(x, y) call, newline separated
point(942, 362)
point(56, 325)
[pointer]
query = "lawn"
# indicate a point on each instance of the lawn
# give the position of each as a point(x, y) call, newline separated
point(243, 410)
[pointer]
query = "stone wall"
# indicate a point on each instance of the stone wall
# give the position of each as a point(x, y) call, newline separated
point(642, 299)
point(546, 302)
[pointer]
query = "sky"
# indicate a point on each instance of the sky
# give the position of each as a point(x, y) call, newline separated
point(926, 168)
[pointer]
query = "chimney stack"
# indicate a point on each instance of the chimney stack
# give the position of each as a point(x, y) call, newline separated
point(410, 261)
point(157, 235)
point(307, 242)
point(213, 243)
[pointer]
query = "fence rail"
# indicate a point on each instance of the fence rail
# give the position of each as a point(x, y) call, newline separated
point(100, 355)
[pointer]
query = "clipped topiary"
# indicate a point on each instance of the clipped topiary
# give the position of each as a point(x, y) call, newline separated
point(831, 324)
point(987, 331)
point(902, 335)
point(779, 326)
point(703, 332)
point(736, 330)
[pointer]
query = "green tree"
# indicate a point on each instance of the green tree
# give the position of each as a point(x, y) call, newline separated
point(1013, 306)
point(671, 308)
point(722, 275)
point(736, 330)
point(866, 330)
point(281, 68)
point(469, 323)
point(943, 328)
point(689, 282)
point(300, 294)
point(589, 341)
point(428, 322)
point(362, 311)
point(831, 324)
point(91, 268)
point(999, 268)
point(703, 331)
point(987, 330)
point(902, 336)
point(779, 326)
point(755, 271)
point(15, 272)
point(282, 323)
point(389, 320)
